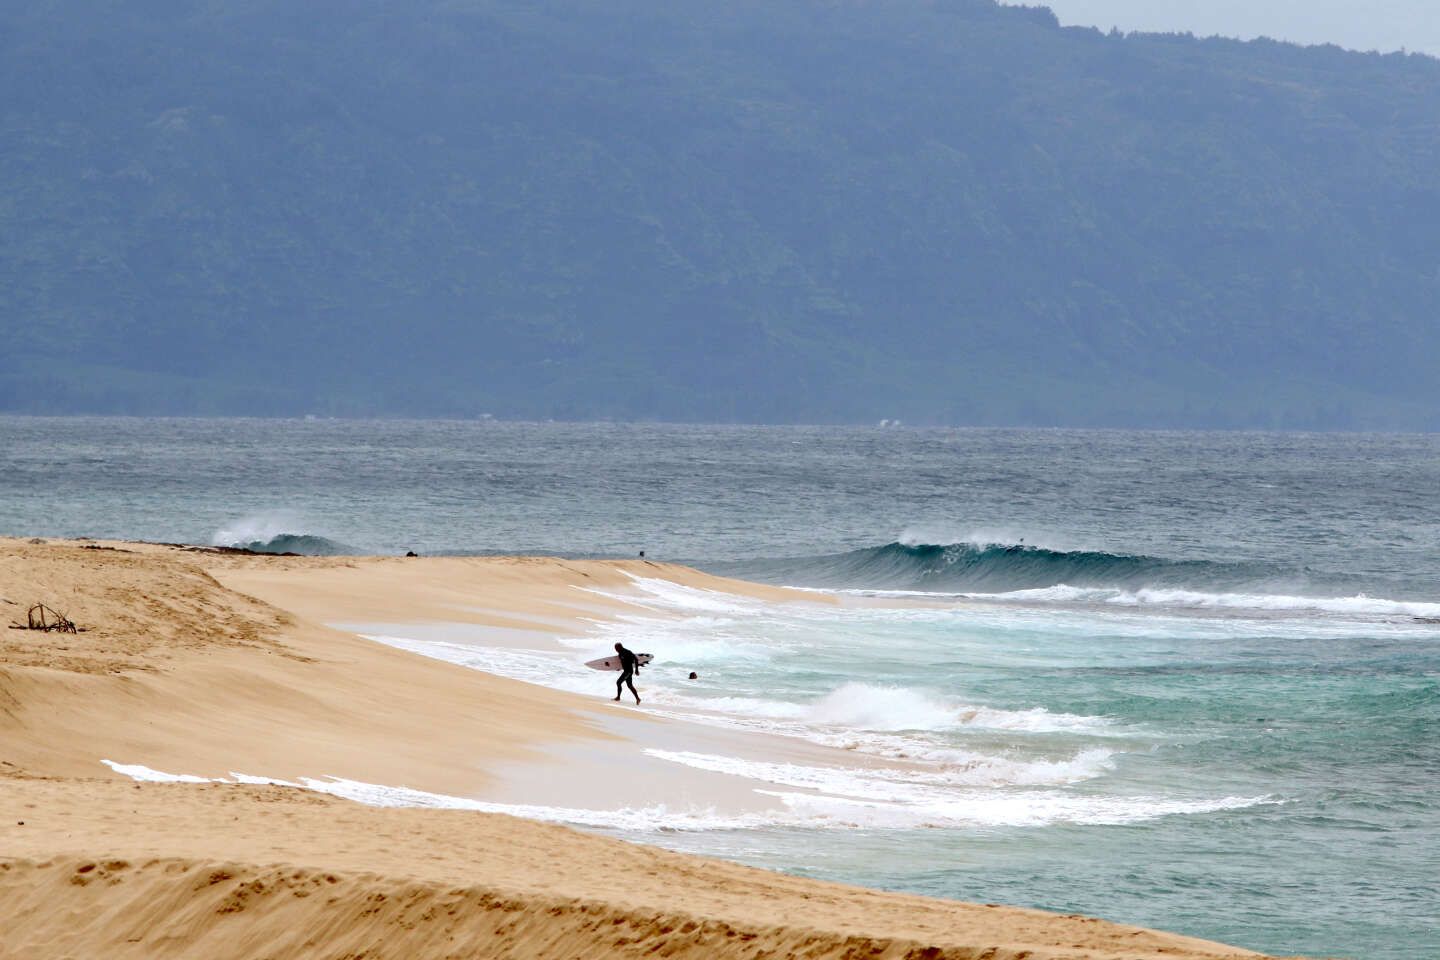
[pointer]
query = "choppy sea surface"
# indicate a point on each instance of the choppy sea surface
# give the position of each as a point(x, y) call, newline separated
point(1184, 680)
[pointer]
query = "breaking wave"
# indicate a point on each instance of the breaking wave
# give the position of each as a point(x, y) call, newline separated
point(270, 533)
point(304, 544)
point(1002, 567)
point(1028, 573)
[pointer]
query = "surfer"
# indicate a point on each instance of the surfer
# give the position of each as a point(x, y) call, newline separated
point(628, 666)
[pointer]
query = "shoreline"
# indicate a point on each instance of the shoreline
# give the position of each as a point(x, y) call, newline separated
point(206, 665)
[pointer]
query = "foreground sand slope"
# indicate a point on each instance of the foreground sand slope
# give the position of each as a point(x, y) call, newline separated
point(162, 870)
point(183, 674)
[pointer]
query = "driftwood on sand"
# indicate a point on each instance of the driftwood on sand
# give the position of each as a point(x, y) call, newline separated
point(41, 617)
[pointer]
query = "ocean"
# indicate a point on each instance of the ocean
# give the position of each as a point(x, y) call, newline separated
point(1184, 680)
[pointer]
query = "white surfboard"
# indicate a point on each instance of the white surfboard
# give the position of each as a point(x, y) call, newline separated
point(612, 662)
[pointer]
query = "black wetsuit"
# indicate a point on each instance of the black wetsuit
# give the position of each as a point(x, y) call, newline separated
point(628, 666)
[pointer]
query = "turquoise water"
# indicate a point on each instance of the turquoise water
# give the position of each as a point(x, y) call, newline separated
point(1306, 748)
point(1181, 680)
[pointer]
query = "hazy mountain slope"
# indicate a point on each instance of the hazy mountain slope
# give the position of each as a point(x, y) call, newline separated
point(945, 211)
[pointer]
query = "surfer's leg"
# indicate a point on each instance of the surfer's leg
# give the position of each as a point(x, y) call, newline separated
point(631, 684)
point(618, 685)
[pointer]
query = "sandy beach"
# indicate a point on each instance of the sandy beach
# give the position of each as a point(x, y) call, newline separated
point(208, 665)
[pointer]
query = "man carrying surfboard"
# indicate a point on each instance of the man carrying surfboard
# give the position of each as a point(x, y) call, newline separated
point(628, 666)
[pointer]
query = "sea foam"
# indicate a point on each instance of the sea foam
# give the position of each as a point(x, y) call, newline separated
point(869, 707)
point(1359, 605)
point(650, 819)
point(831, 800)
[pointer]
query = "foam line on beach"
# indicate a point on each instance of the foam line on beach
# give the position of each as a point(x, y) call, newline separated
point(878, 708)
point(661, 594)
point(1174, 599)
point(894, 782)
point(818, 798)
point(988, 809)
point(651, 819)
point(891, 799)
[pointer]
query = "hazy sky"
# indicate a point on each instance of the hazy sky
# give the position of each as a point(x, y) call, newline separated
point(1360, 24)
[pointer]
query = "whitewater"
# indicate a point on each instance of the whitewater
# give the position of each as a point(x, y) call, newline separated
point(1190, 681)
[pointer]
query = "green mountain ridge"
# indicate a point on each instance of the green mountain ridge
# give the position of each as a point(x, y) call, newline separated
point(944, 212)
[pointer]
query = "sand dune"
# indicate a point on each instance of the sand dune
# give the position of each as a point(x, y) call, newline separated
point(186, 675)
point(105, 867)
point(185, 668)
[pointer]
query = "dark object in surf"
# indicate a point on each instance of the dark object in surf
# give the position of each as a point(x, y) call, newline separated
point(41, 617)
point(694, 675)
point(411, 553)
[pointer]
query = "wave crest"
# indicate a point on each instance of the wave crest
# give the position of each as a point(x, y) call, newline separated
point(1003, 567)
point(304, 544)
point(270, 533)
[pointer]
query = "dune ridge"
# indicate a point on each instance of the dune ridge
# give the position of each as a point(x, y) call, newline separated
point(104, 866)
point(181, 908)
point(206, 664)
